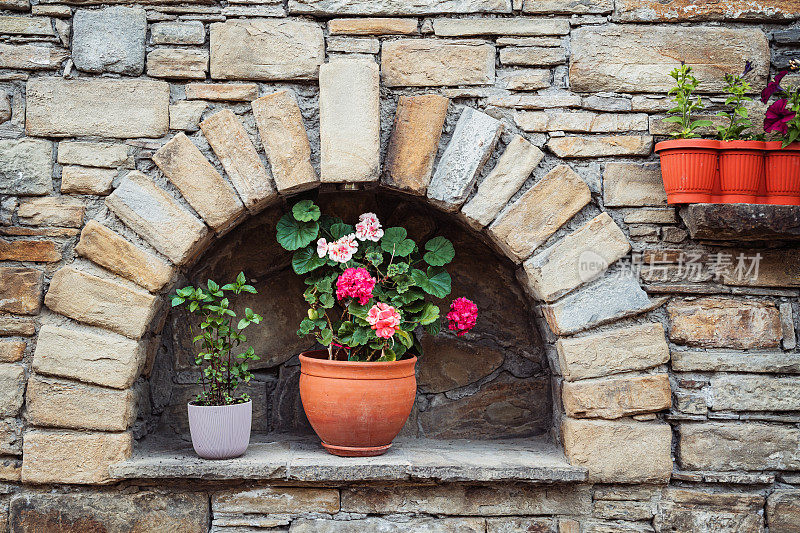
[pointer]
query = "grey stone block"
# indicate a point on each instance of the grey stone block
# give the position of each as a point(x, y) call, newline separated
point(110, 40)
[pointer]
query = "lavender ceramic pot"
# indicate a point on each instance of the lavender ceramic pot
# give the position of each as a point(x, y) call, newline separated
point(220, 431)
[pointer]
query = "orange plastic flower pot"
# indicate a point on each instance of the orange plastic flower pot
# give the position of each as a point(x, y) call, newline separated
point(356, 409)
point(741, 170)
point(783, 173)
point(688, 167)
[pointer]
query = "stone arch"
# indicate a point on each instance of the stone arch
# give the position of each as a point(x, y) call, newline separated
point(569, 275)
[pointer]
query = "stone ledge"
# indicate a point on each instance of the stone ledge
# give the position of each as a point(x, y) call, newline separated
point(287, 458)
point(742, 222)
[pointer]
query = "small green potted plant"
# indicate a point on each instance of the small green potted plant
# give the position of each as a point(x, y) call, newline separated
point(741, 161)
point(219, 420)
point(688, 163)
point(783, 154)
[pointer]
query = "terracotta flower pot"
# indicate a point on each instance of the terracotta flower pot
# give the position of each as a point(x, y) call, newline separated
point(356, 408)
point(741, 169)
point(688, 167)
point(783, 173)
point(220, 431)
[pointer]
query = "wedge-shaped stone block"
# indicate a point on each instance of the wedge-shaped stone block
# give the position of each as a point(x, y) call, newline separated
point(349, 120)
point(98, 357)
point(12, 387)
point(61, 403)
point(414, 142)
point(587, 147)
point(157, 217)
point(472, 143)
point(754, 393)
point(537, 214)
point(72, 457)
point(516, 164)
point(397, 7)
point(430, 63)
point(727, 447)
point(264, 49)
point(234, 149)
point(101, 302)
point(277, 500)
point(199, 182)
point(578, 258)
point(110, 250)
point(607, 300)
point(98, 107)
point(616, 397)
point(620, 451)
point(613, 352)
point(91, 154)
point(285, 140)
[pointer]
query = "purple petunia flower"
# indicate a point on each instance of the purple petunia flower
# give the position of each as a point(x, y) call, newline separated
point(773, 87)
point(747, 68)
point(778, 116)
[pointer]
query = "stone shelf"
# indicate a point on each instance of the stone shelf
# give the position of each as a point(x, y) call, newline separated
point(301, 459)
point(742, 222)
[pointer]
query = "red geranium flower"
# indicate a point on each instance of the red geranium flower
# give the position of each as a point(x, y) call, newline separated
point(462, 316)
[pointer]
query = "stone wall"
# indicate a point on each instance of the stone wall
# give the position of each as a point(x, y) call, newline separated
point(138, 141)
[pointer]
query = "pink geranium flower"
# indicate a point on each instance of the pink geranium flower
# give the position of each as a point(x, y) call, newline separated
point(778, 117)
point(355, 283)
point(322, 248)
point(384, 319)
point(343, 249)
point(369, 228)
point(462, 316)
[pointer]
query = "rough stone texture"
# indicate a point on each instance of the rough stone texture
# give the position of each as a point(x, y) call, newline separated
point(91, 154)
point(721, 361)
point(632, 184)
point(191, 32)
point(527, 80)
point(613, 352)
point(353, 45)
point(414, 142)
point(100, 302)
point(372, 26)
point(97, 107)
point(619, 452)
point(157, 217)
point(10, 438)
point(537, 101)
point(516, 164)
point(26, 166)
point(464, 27)
point(186, 115)
point(49, 456)
point(427, 63)
point(109, 40)
point(349, 120)
point(14, 25)
point(202, 186)
point(783, 511)
point(727, 447)
point(16, 326)
point(110, 250)
point(421, 525)
point(742, 222)
point(629, 58)
point(397, 7)
point(68, 404)
point(111, 512)
point(276, 500)
point(52, 211)
point(31, 57)
point(543, 208)
point(617, 145)
point(97, 356)
point(610, 299)
point(285, 141)
point(616, 397)
point(717, 322)
point(232, 146)
point(776, 268)
point(12, 351)
point(12, 385)
point(263, 49)
point(37, 251)
point(86, 180)
point(177, 63)
point(577, 7)
point(681, 10)
point(754, 393)
point(448, 365)
point(226, 92)
point(532, 56)
point(578, 258)
point(580, 121)
point(472, 143)
point(689, 510)
point(20, 290)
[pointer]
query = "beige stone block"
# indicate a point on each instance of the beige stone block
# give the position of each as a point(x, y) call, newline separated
point(580, 121)
point(616, 397)
point(754, 393)
point(537, 214)
point(427, 63)
point(94, 154)
point(10, 470)
point(87, 180)
point(349, 116)
point(373, 26)
point(684, 10)
point(536, 101)
point(197, 180)
point(414, 143)
point(49, 456)
point(10, 438)
point(620, 451)
point(20, 290)
point(517, 163)
point(633, 184)
point(91, 356)
point(102, 107)
point(285, 141)
point(101, 302)
point(601, 146)
point(12, 351)
point(224, 92)
point(110, 250)
point(11, 326)
point(353, 45)
point(397, 7)
point(186, 115)
point(277, 500)
point(15, 25)
point(12, 387)
point(531, 26)
point(177, 63)
point(234, 149)
point(31, 57)
point(532, 56)
point(527, 80)
point(51, 211)
point(578, 258)
point(582, 7)
point(30, 250)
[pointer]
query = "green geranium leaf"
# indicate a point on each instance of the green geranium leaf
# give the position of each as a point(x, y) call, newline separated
point(327, 337)
point(339, 230)
point(440, 251)
point(306, 211)
point(436, 281)
point(430, 313)
point(405, 338)
point(293, 234)
point(388, 355)
point(434, 327)
point(306, 260)
point(326, 300)
point(358, 310)
point(394, 241)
